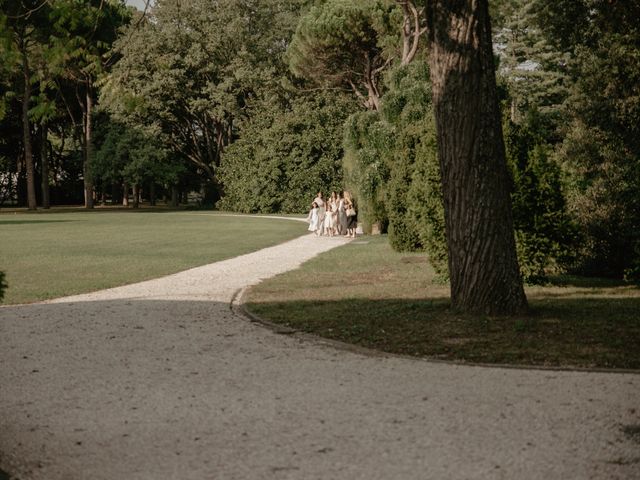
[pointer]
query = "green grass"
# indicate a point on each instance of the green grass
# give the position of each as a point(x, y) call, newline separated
point(369, 295)
point(48, 255)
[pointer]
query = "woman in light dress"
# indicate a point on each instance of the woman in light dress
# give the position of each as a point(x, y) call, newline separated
point(321, 210)
point(330, 218)
point(314, 219)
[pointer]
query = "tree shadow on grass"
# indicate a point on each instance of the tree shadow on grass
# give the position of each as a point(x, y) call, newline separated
point(28, 222)
point(589, 282)
point(577, 332)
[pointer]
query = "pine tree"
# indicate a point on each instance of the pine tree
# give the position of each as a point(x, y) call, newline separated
point(534, 70)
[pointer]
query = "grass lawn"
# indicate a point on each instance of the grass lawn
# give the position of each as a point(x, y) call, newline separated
point(48, 255)
point(369, 295)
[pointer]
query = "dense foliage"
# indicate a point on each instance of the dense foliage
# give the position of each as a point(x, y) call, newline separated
point(287, 153)
point(391, 163)
point(600, 150)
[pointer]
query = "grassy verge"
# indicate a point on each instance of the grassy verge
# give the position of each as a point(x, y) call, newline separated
point(366, 294)
point(48, 255)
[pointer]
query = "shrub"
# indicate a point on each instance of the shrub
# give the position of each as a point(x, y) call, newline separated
point(414, 192)
point(604, 200)
point(286, 155)
point(543, 229)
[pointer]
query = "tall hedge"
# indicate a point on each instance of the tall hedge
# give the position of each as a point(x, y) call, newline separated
point(414, 194)
point(367, 139)
point(286, 154)
point(543, 229)
point(391, 164)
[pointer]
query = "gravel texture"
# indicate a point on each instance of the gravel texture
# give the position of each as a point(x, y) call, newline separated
point(163, 380)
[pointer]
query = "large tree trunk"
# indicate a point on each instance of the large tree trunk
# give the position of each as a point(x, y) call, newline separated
point(483, 265)
point(44, 160)
point(136, 195)
point(152, 193)
point(88, 151)
point(175, 195)
point(26, 131)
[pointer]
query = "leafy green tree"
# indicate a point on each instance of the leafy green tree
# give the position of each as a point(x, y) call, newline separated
point(132, 156)
point(285, 154)
point(366, 138)
point(192, 73)
point(82, 36)
point(534, 69)
point(413, 193)
point(544, 231)
point(24, 35)
point(338, 44)
point(600, 153)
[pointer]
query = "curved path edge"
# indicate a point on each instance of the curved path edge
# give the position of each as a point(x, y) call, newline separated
point(239, 306)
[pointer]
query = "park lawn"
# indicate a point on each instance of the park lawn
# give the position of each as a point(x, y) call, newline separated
point(366, 294)
point(48, 255)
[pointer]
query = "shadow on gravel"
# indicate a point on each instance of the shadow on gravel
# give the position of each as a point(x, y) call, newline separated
point(68, 369)
point(92, 385)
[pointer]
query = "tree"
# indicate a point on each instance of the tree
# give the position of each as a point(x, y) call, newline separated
point(291, 148)
point(600, 151)
point(25, 23)
point(413, 193)
point(483, 265)
point(82, 38)
point(190, 73)
point(338, 45)
point(133, 157)
point(534, 69)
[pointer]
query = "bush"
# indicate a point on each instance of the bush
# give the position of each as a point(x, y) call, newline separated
point(414, 192)
point(286, 155)
point(367, 139)
point(543, 231)
point(604, 200)
point(392, 165)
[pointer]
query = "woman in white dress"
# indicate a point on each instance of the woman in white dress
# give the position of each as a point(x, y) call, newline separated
point(314, 219)
point(321, 210)
point(328, 218)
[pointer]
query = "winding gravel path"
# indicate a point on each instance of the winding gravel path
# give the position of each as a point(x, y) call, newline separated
point(162, 380)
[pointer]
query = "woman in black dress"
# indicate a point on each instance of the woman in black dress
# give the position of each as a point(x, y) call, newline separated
point(352, 215)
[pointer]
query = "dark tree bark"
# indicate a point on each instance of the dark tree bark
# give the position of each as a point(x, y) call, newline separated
point(483, 265)
point(175, 196)
point(152, 193)
point(26, 131)
point(136, 195)
point(44, 161)
point(88, 149)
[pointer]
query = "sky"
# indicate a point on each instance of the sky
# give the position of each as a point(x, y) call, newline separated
point(137, 3)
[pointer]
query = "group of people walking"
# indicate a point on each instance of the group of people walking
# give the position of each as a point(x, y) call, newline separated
point(334, 216)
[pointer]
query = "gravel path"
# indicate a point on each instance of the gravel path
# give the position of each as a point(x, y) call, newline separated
point(162, 380)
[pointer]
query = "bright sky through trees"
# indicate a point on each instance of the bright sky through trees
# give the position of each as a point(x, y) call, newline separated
point(138, 3)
